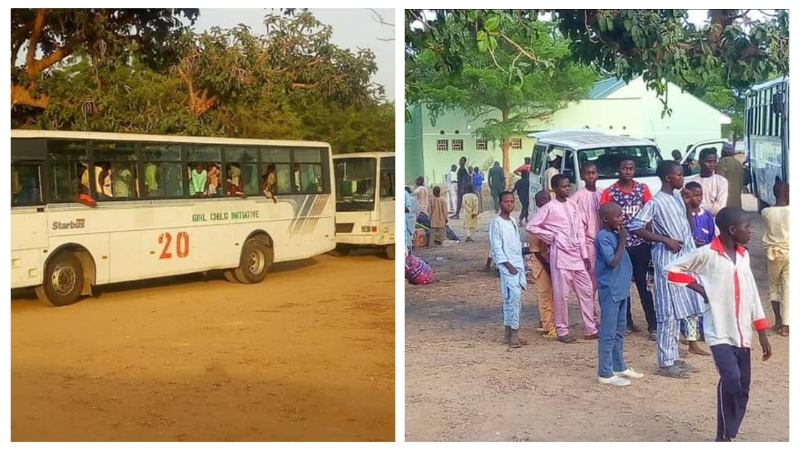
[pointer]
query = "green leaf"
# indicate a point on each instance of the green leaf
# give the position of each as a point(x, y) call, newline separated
point(492, 23)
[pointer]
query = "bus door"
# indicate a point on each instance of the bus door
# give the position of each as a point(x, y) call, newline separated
point(387, 197)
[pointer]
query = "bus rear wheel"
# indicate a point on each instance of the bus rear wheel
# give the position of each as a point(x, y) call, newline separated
point(389, 251)
point(63, 280)
point(254, 263)
point(230, 276)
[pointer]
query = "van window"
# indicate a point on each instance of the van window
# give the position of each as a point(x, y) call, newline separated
point(646, 157)
point(539, 150)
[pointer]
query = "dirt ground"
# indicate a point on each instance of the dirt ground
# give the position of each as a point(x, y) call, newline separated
point(463, 384)
point(308, 355)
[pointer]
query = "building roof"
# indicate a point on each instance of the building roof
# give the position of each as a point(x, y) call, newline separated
point(587, 139)
point(604, 88)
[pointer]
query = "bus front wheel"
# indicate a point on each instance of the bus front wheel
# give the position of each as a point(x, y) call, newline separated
point(63, 280)
point(255, 260)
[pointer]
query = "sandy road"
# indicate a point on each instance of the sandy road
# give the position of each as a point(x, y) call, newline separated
point(306, 355)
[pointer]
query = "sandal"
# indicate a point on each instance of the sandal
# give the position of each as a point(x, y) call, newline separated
point(590, 337)
point(784, 331)
point(672, 371)
point(566, 339)
point(686, 367)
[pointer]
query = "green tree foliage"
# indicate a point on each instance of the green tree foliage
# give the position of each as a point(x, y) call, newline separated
point(493, 78)
point(289, 83)
point(658, 44)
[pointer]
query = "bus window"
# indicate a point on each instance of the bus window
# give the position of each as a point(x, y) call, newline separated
point(387, 177)
point(208, 184)
point(163, 175)
point(26, 188)
point(69, 168)
point(282, 158)
point(117, 163)
point(242, 171)
point(307, 173)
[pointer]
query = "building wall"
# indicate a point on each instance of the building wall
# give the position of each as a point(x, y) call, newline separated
point(691, 121)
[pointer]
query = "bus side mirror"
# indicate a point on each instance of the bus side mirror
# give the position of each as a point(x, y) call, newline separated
point(777, 103)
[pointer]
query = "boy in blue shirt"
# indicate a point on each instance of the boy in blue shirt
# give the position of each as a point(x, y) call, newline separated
point(614, 271)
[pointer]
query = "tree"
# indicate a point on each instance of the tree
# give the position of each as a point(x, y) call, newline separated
point(290, 82)
point(657, 44)
point(498, 80)
point(100, 34)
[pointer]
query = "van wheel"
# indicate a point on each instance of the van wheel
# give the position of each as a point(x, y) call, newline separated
point(63, 280)
point(230, 276)
point(389, 251)
point(255, 260)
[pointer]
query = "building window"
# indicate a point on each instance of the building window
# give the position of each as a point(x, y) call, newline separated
point(441, 145)
point(480, 144)
point(458, 145)
point(516, 143)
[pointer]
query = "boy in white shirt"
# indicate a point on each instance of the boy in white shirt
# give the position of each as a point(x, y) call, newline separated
point(776, 246)
point(720, 273)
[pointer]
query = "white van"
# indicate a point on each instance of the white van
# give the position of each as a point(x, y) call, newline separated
point(576, 147)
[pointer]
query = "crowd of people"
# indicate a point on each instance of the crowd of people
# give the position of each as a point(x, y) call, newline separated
point(684, 247)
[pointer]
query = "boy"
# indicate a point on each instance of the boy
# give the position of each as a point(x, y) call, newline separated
point(614, 273)
point(471, 208)
point(631, 196)
point(588, 202)
point(776, 246)
point(422, 197)
point(672, 239)
point(507, 254)
point(540, 271)
point(557, 223)
point(477, 186)
point(702, 223)
point(715, 187)
point(720, 272)
point(438, 216)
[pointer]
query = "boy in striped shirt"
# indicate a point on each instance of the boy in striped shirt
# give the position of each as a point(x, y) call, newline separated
point(720, 273)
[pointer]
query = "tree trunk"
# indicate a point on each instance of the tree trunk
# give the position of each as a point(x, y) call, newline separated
point(506, 145)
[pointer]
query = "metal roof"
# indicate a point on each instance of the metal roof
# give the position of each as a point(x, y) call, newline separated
point(604, 88)
point(587, 139)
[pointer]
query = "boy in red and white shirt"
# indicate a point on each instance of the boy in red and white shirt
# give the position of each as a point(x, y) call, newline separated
point(720, 273)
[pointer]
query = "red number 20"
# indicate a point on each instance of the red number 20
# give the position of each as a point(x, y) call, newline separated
point(181, 245)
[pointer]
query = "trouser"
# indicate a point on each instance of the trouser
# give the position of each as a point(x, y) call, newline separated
point(523, 215)
point(496, 200)
point(593, 275)
point(468, 232)
point(460, 201)
point(437, 235)
point(511, 290)
point(613, 322)
point(778, 284)
point(640, 260)
point(451, 199)
point(668, 333)
point(544, 290)
point(733, 389)
point(479, 192)
point(580, 282)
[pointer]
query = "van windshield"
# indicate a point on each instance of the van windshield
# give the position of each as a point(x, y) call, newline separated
point(646, 157)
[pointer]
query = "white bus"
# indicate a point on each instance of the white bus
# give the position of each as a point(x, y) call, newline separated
point(365, 201)
point(766, 137)
point(158, 206)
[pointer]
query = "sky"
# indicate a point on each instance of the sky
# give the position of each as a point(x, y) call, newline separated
point(352, 29)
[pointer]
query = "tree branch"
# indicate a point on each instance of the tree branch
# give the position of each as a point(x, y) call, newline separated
point(38, 24)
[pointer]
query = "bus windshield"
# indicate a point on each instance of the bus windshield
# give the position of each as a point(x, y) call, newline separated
point(646, 157)
point(355, 184)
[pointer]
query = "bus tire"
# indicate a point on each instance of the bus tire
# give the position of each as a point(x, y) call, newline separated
point(389, 251)
point(255, 260)
point(63, 280)
point(230, 276)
